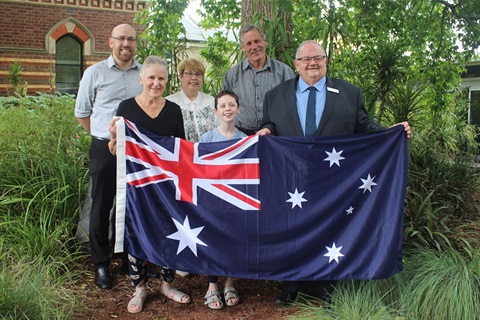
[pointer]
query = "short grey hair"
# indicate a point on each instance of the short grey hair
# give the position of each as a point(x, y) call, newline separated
point(248, 29)
point(151, 61)
point(304, 43)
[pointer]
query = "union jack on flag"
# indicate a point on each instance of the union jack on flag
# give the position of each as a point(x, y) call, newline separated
point(190, 167)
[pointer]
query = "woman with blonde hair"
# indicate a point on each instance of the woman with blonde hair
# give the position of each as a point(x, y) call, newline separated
point(151, 111)
point(197, 107)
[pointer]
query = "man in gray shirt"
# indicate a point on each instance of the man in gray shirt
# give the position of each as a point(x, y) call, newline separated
point(253, 77)
point(103, 86)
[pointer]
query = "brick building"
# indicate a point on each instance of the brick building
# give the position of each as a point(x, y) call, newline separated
point(55, 40)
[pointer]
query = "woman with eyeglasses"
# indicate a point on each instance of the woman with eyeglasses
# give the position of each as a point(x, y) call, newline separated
point(197, 107)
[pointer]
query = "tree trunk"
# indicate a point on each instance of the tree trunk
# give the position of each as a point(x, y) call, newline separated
point(261, 8)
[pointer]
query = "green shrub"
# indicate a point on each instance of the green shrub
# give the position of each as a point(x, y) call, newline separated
point(442, 182)
point(43, 180)
point(43, 175)
point(355, 300)
point(29, 291)
point(15, 78)
point(441, 286)
point(43, 159)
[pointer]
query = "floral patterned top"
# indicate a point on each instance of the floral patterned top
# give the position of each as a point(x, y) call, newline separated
point(198, 116)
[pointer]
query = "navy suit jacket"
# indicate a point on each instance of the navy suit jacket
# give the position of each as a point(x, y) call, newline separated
point(344, 111)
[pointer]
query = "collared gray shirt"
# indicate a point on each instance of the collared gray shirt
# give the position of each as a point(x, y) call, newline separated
point(251, 85)
point(102, 88)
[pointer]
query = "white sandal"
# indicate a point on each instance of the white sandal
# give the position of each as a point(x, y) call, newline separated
point(230, 293)
point(175, 294)
point(212, 297)
point(138, 299)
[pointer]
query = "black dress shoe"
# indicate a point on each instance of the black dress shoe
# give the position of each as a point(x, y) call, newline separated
point(102, 277)
point(285, 298)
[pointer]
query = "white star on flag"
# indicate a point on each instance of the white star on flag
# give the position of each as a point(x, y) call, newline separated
point(350, 210)
point(188, 237)
point(333, 253)
point(334, 157)
point(296, 198)
point(367, 184)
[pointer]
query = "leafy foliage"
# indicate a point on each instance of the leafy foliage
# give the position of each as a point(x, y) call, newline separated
point(217, 14)
point(440, 196)
point(214, 53)
point(43, 175)
point(15, 77)
point(43, 178)
point(279, 44)
point(465, 16)
point(165, 35)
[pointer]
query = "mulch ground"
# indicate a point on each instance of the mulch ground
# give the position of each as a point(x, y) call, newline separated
point(257, 299)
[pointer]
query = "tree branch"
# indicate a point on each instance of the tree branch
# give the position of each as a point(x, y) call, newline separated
point(454, 9)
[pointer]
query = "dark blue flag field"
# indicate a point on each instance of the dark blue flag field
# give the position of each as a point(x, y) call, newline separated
point(273, 208)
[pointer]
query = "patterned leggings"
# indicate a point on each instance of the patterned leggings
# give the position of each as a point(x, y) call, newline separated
point(138, 271)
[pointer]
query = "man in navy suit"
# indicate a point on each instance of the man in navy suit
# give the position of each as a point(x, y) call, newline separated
point(339, 109)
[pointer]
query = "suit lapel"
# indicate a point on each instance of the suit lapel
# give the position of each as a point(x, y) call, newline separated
point(330, 101)
point(291, 103)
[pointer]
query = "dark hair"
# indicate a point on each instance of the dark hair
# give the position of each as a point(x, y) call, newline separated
point(226, 93)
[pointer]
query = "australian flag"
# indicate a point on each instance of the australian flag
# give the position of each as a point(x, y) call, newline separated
point(273, 208)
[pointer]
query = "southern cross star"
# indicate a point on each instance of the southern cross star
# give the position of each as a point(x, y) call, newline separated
point(188, 237)
point(334, 157)
point(350, 210)
point(367, 184)
point(333, 253)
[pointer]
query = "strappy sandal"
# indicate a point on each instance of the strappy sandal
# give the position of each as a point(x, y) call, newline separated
point(138, 299)
point(230, 294)
point(212, 297)
point(174, 294)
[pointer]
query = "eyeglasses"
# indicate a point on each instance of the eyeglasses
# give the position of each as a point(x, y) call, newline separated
point(191, 74)
point(307, 60)
point(122, 39)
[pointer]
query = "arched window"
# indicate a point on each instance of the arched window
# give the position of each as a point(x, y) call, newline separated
point(68, 64)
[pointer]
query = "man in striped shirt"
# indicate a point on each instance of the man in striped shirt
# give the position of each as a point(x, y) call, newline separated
point(253, 77)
